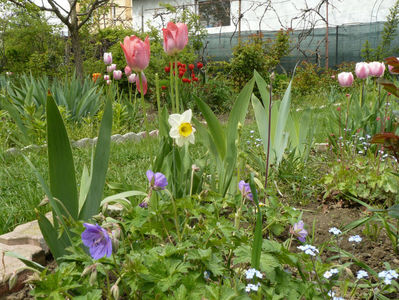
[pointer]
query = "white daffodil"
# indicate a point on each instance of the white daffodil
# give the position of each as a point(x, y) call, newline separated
point(182, 130)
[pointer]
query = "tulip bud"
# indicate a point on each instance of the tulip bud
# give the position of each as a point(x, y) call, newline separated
point(131, 78)
point(128, 71)
point(108, 82)
point(106, 77)
point(345, 79)
point(362, 70)
point(108, 58)
point(376, 68)
point(163, 87)
point(117, 74)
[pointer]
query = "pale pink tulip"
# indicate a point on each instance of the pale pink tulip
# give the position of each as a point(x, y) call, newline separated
point(108, 58)
point(131, 78)
point(108, 82)
point(137, 52)
point(362, 70)
point(128, 71)
point(106, 77)
point(117, 74)
point(377, 69)
point(111, 68)
point(345, 79)
point(144, 83)
point(175, 37)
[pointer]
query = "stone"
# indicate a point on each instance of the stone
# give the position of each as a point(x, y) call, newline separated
point(11, 265)
point(142, 134)
point(117, 138)
point(83, 143)
point(154, 132)
point(321, 147)
point(13, 151)
point(131, 136)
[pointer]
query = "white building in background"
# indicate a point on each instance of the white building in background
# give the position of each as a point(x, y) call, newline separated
point(221, 16)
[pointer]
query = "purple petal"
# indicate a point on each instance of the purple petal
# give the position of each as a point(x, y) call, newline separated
point(241, 185)
point(150, 176)
point(160, 181)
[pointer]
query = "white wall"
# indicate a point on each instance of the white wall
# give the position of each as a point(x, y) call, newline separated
point(340, 12)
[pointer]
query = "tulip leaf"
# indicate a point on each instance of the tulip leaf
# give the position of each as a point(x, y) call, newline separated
point(215, 128)
point(61, 166)
point(100, 165)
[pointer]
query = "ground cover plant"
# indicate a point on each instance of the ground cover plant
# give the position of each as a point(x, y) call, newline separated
point(211, 208)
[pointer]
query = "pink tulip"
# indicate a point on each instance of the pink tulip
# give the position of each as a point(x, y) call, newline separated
point(131, 78)
point(345, 79)
point(108, 58)
point(175, 37)
point(108, 82)
point(144, 83)
point(128, 71)
point(111, 68)
point(137, 52)
point(362, 70)
point(106, 77)
point(117, 74)
point(377, 69)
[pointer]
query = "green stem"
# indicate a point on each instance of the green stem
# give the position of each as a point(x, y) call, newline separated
point(143, 104)
point(175, 213)
point(158, 96)
point(177, 85)
point(171, 90)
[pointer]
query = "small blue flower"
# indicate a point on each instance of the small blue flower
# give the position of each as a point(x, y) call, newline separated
point(362, 274)
point(335, 231)
point(252, 287)
point(355, 238)
point(388, 276)
point(97, 239)
point(309, 249)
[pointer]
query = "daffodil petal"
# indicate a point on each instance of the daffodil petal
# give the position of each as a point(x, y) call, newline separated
point(186, 116)
point(174, 120)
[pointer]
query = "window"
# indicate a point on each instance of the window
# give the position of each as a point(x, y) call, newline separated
point(214, 13)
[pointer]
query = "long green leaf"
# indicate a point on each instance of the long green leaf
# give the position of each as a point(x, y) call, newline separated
point(257, 245)
point(215, 128)
point(26, 261)
point(61, 166)
point(14, 114)
point(84, 186)
point(261, 117)
point(100, 165)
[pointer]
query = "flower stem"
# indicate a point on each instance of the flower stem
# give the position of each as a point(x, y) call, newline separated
point(143, 104)
point(176, 86)
point(268, 137)
point(175, 213)
point(158, 96)
point(171, 90)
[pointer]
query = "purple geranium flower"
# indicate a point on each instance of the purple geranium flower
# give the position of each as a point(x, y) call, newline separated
point(97, 239)
point(299, 231)
point(245, 190)
point(157, 181)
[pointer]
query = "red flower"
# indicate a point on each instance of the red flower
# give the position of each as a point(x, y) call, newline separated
point(191, 67)
point(192, 75)
point(181, 74)
point(163, 87)
point(200, 65)
point(195, 78)
point(167, 69)
point(179, 64)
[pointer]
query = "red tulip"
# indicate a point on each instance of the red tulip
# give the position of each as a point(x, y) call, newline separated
point(191, 67)
point(167, 69)
point(181, 74)
point(175, 37)
point(199, 65)
point(192, 75)
point(195, 78)
point(137, 52)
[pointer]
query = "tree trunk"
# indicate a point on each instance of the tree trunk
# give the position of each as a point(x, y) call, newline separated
point(77, 52)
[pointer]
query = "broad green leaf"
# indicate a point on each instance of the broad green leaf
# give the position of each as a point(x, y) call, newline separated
point(215, 128)
point(26, 261)
point(123, 195)
point(261, 117)
point(14, 114)
point(84, 186)
point(100, 165)
point(61, 166)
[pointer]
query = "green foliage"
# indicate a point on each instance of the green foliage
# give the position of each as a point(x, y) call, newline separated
point(384, 49)
point(257, 54)
point(364, 177)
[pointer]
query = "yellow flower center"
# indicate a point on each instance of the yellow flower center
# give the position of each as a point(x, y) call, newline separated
point(185, 129)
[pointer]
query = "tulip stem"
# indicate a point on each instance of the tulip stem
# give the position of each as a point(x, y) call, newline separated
point(176, 86)
point(171, 91)
point(158, 97)
point(143, 103)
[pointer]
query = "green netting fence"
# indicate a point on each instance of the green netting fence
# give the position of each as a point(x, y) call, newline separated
point(345, 44)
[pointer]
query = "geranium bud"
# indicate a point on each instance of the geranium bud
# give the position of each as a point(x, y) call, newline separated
point(339, 108)
point(13, 280)
point(163, 87)
point(115, 291)
point(93, 277)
